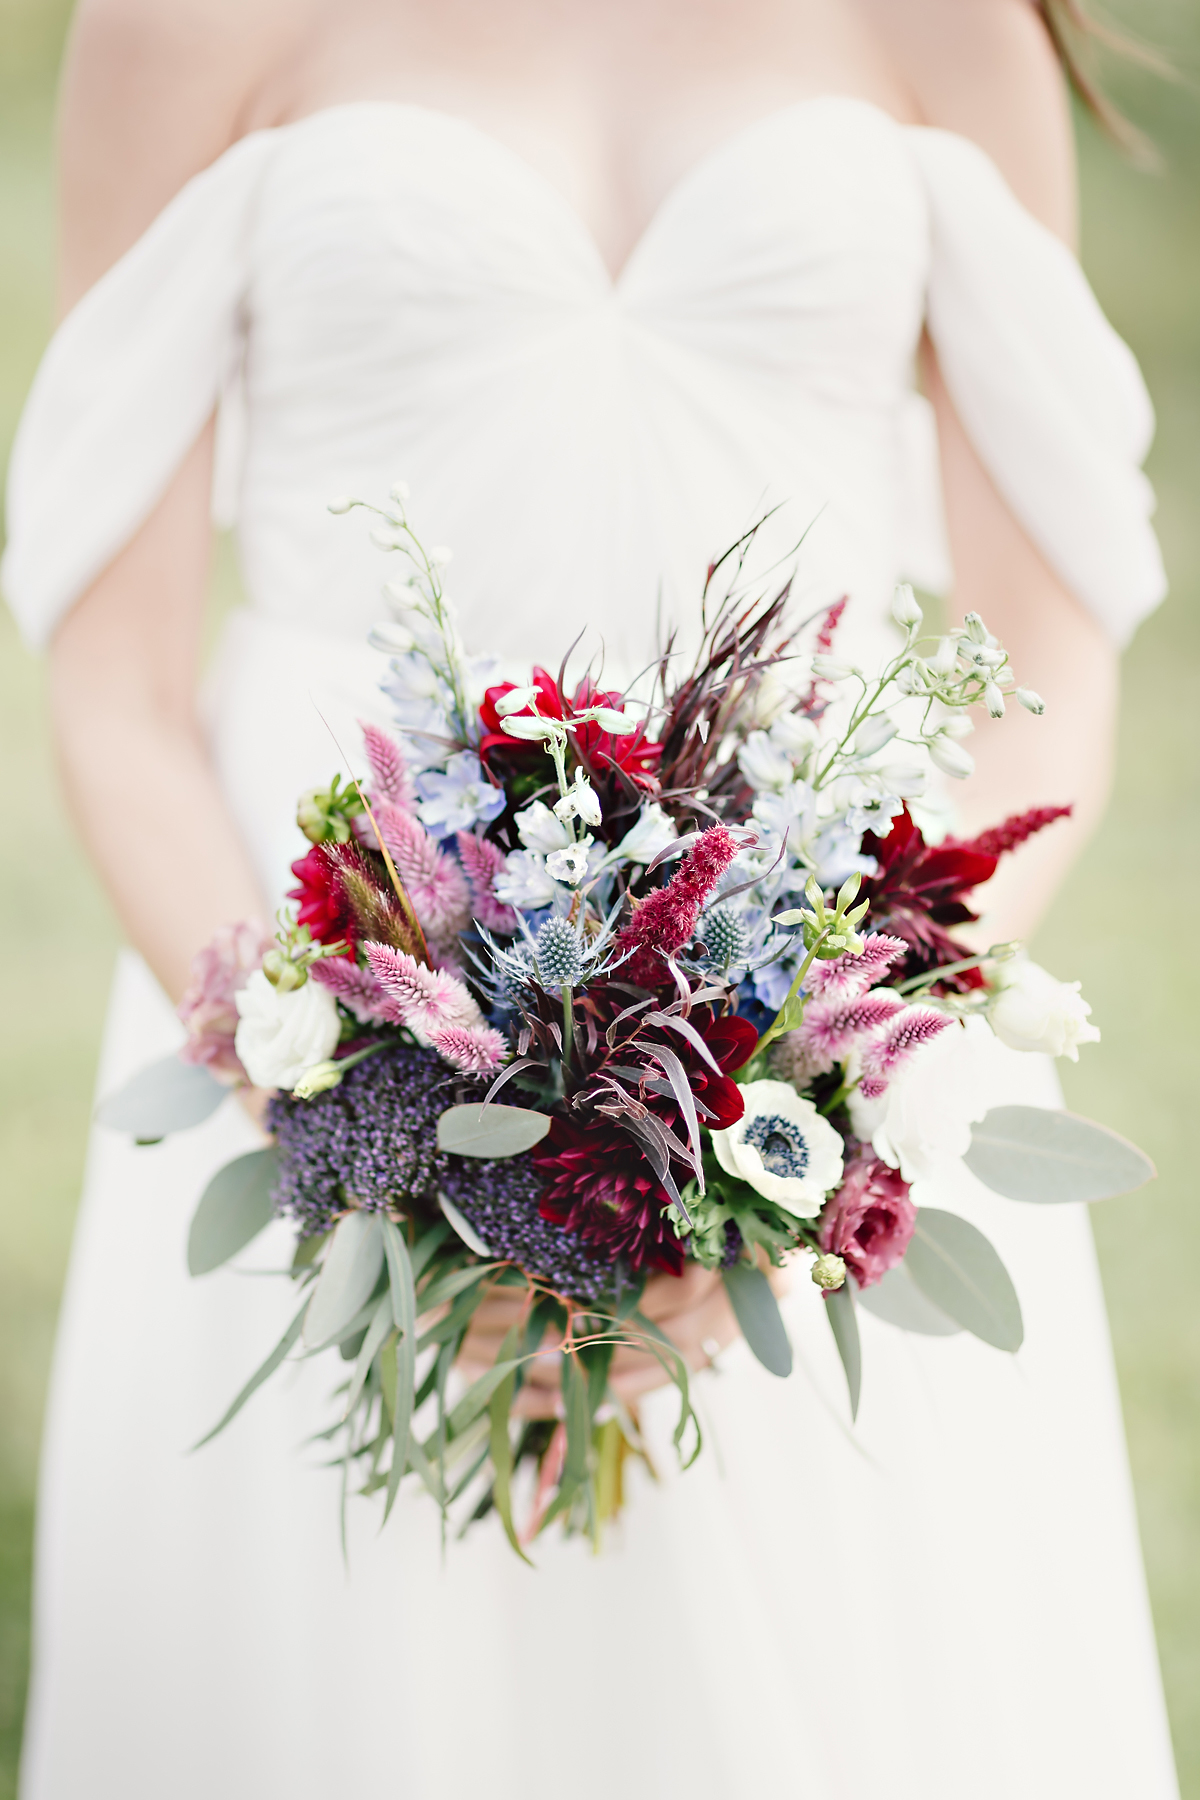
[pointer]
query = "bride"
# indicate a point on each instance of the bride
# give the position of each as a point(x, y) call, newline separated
point(599, 282)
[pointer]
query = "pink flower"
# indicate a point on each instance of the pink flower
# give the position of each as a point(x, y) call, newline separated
point(831, 1029)
point(433, 881)
point(666, 920)
point(483, 861)
point(869, 1221)
point(390, 779)
point(910, 1029)
point(356, 988)
point(208, 1008)
point(476, 1049)
point(845, 976)
point(426, 1000)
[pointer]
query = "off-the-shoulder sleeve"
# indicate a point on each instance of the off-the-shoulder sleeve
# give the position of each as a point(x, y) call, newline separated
point(1051, 397)
point(127, 383)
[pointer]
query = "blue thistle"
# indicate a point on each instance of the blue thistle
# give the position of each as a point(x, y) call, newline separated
point(560, 953)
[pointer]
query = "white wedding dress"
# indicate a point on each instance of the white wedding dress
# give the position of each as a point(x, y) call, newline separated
point(943, 1603)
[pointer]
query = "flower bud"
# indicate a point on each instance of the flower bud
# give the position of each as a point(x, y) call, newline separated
point(617, 724)
point(341, 503)
point(958, 725)
point(942, 663)
point(393, 639)
point(873, 734)
point(905, 610)
point(950, 757)
point(829, 1272)
point(975, 628)
point(440, 556)
point(829, 668)
point(1030, 701)
point(516, 701)
point(993, 699)
point(281, 972)
point(386, 537)
point(318, 1080)
point(399, 491)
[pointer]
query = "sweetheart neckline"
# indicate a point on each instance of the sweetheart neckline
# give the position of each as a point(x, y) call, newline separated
point(724, 150)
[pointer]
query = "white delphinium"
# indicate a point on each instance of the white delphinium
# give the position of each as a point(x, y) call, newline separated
point(524, 882)
point(765, 765)
point(579, 802)
point(571, 865)
point(539, 829)
point(655, 829)
point(458, 799)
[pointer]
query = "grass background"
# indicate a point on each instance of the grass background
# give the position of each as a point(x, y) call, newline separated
point(1120, 925)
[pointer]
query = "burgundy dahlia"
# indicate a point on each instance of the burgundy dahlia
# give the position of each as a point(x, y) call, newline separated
point(600, 1185)
point(870, 1220)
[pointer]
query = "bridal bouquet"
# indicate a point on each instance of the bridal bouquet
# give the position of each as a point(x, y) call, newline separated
point(577, 988)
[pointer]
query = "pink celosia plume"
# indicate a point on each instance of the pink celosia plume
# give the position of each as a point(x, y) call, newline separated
point(483, 861)
point(844, 976)
point(356, 988)
point(477, 1050)
point(908, 1031)
point(426, 1000)
point(666, 920)
point(433, 881)
point(208, 1008)
point(390, 779)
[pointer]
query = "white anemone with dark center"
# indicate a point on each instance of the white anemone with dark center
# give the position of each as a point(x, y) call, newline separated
point(782, 1148)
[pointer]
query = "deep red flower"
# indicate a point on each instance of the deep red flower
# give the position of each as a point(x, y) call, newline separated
point(598, 749)
point(666, 920)
point(919, 891)
point(323, 906)
point(869, 1221)
point(731, 1041)
point(600, 1185)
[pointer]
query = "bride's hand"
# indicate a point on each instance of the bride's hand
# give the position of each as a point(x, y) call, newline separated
point(692, 1309)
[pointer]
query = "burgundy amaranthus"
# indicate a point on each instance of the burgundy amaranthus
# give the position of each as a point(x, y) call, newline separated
point(666, 920)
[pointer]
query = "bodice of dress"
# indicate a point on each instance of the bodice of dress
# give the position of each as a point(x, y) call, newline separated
point(381, 291)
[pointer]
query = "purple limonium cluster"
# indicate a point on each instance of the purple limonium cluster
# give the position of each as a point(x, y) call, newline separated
point(500, 1201)
point(372, 1138)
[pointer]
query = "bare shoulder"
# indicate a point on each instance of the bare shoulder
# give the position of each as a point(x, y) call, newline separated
point(152, 92)
point(988, 70)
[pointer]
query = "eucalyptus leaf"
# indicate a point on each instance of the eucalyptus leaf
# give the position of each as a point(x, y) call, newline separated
point(234, 1207)
point(404, 1311)
point(757, 1312)
point(1046, 1156)
point(501, 1445)
point(463, 1227)
point(897, 1299)
point(348, 1275)
point(377, 1331)
point(478, 1394)
point(954, 1265)
point(839, 1303)
point(490, 1131)
point(260, 1375)
point(166, 1096)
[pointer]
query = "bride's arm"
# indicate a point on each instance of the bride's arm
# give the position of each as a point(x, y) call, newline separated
point(987, 70)
point(152, 91)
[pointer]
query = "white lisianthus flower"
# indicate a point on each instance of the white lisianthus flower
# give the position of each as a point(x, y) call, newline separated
point(763, 763)
point(282, 1033)
point(923, 1120)
point(1034, 1011)
point(538, 829)
point(782, 1148)
point(647, 839)
point(523, 882)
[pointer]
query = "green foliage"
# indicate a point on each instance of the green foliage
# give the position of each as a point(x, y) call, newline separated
point(490, 1131)
point(839, 1305)
point(234, 1207)
point(759, 1319)
point(956, 1268)
point(1047, 1157)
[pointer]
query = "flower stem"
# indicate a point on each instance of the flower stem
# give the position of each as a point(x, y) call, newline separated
point(776, 1027)
point(568, 1013)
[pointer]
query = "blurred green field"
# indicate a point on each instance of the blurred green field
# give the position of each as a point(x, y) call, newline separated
point(1120, 926)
